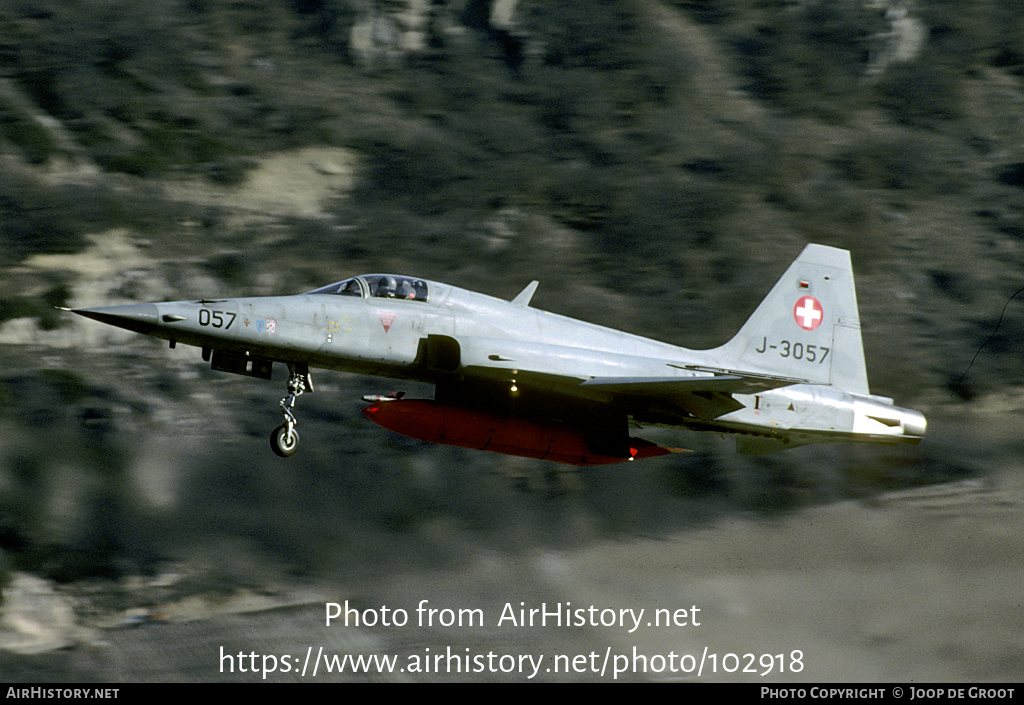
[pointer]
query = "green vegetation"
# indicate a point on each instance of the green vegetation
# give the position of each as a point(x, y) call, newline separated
point(811, 58)
point(638, 147)
point(37, 307)
point(656, 164)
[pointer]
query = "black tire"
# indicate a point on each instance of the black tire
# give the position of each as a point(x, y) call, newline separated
point(282, 444)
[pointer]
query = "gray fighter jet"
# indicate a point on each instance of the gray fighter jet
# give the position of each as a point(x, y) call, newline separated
point(516, 380)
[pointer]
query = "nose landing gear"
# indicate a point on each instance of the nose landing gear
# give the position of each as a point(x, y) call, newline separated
point(285, 439)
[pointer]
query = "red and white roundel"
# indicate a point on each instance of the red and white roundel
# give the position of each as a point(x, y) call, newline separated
point(808, 313)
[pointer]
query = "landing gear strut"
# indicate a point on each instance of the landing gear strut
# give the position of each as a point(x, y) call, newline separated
point(285, 439)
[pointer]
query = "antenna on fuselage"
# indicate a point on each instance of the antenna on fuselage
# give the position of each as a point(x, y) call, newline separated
point(523, 299)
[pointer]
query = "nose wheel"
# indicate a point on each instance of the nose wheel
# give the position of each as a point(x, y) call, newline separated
point(285, 439)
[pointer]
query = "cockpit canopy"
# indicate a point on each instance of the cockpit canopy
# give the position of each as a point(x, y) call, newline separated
point(384, 286)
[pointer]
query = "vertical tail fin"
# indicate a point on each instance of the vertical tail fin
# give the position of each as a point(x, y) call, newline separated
point(808, 325)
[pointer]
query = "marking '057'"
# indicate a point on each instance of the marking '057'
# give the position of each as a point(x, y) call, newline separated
point(217, 319)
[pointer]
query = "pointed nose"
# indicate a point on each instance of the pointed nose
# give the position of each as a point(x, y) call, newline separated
point(140, 318)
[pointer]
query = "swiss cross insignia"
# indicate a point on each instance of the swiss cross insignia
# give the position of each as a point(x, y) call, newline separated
point(808, 313)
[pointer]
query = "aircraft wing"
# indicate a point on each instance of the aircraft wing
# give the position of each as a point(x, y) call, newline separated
point(719, 380)
point(704, 396)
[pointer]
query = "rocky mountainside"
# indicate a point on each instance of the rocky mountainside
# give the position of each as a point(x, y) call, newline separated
point(656, 164)
point(617, 151)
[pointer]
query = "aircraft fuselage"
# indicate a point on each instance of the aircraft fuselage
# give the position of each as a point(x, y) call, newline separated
point(786, 379)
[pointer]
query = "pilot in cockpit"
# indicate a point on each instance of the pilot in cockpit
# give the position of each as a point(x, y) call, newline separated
point(386, 287)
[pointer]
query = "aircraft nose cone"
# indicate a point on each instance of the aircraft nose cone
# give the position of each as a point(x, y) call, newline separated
point(140, 318)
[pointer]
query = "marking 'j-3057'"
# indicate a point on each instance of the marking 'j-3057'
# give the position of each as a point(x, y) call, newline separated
point(798, 351)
